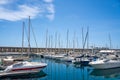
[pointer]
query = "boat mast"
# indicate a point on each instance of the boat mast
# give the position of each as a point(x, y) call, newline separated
point(34, 38)
point(77, 42)
point(29, 36)
point(82, 37)
point(59, 43)
point(46, 39)
point(74, 42)
point(110, 41)
point(88, 38)
point(67, 39)
point(55, 41)
point(51, 41)
point(23, 37)
point(85, 41)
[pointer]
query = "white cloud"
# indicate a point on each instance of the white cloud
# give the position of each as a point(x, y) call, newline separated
point(48, 1)
point(16, 11)
point(50, 8)
point(4, 1)
point(51, 11)
point(23, 12)
point(50, 16)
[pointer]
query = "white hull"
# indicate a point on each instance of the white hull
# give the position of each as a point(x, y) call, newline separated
point(57, 56)
point(47, 56)
point(106, 65)
point(66, 59)
point(25, 66)
point(15, 73)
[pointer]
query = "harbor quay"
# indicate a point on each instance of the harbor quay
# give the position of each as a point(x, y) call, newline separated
point(56, 50)
point(40, 50)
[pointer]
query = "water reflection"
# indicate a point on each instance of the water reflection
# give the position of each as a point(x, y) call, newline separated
point(77, 66)
point(58, 70)
point(39, 75)
point(108, 73)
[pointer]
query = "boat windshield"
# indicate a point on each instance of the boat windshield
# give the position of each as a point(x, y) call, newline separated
point(106, 60)
point(17, 64)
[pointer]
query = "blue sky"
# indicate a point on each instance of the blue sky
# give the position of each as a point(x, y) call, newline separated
point(101, 16)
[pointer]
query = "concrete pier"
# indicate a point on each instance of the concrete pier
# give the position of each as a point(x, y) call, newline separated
point(39, 50)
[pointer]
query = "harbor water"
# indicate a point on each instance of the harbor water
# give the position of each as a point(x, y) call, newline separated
point(57, 70)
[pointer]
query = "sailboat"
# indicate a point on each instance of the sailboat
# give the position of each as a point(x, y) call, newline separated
point(10, 59)
point(22, 58)
point(24, 67)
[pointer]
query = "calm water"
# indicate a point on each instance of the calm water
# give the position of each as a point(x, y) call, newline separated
point(66, 71)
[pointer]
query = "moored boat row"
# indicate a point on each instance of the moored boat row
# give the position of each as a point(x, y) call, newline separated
point(99, 60)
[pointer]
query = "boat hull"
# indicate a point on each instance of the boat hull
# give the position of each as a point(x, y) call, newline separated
point(106, 65)
point(29, 68)
point(18, 73)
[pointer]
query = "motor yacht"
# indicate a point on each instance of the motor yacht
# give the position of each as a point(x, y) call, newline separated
point(105, 63)
point(25, 67)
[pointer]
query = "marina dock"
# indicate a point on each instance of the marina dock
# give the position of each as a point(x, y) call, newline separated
point(39, 50)
point(9, 50)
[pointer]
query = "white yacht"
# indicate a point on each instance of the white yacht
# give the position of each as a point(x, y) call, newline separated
point(58, 56)
point(24, 67)
point(67, 59)
point(105, 63)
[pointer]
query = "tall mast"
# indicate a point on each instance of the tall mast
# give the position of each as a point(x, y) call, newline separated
point(46, 39)
point(34, 38)
point(82, 37)
point(88, 38)
point(29, 35)
point(74, 41)
point(55, 39)
point(67, 38)
point(110, 41)
point(51, 41)
point(85, 41)
point(77, 42)
point(23, 37)
point(59, 42)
